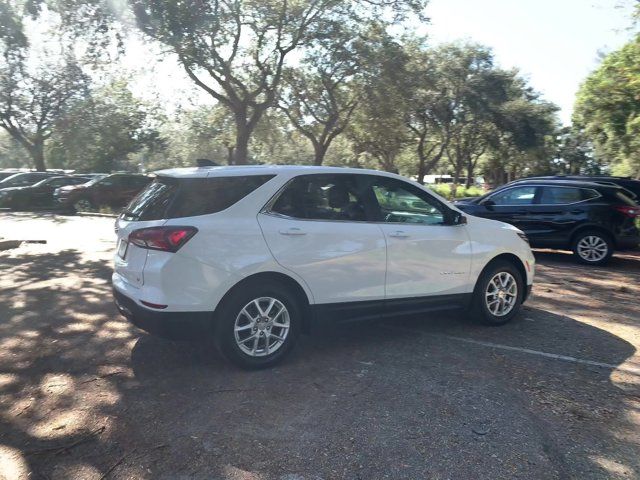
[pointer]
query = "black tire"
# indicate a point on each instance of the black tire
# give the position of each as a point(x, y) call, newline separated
point(602, 241)
point(83, 205)
point(480, 311)
point(231, 308)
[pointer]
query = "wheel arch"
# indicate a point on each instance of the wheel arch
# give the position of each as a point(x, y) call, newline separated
point(279, 277)
point(508, 257)
point(596, 228)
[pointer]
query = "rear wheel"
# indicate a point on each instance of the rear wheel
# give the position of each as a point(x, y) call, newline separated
point(592, 247)
point(498, 294)
point(256, 327)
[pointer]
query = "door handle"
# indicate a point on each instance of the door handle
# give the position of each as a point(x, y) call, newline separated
point(292, 231)
point(399, 234)
point(576, 212)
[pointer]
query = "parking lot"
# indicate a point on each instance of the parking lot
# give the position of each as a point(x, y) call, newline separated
point(83, 394)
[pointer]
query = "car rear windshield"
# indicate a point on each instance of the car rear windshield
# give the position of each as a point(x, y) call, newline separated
point(169, 197)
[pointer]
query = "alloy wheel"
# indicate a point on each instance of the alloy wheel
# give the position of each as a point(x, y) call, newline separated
point(83, 205)
point(262, 326)
point(592, 248)
point(501, 294)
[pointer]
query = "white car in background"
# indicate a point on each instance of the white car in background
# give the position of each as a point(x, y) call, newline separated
point(256, 255)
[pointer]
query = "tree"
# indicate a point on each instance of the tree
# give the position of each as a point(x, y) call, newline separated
point(33, 99)
point(378, 129)
point(429, 109)
point(525, 139)
point(575, 153)
point(100, 132)
point(236, 50)
point(319, 95)
point(474, 90)
point(608, 108)
point(35, 91)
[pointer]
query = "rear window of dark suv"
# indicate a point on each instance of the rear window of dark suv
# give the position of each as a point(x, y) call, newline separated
point(169, 197)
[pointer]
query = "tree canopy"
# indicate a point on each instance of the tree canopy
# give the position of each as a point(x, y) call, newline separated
point(608, 108)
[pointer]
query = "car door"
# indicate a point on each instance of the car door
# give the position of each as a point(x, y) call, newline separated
point(43, 194)
point(103, 192)
point(427, 256)
point(556, 213)
point(512, 205)
point(317, 228)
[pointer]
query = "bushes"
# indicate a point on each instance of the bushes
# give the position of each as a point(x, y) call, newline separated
point(444, 190)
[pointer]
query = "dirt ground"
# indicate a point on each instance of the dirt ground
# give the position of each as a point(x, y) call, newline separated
point(83, 394)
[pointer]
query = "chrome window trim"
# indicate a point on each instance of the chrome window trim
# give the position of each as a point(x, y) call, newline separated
point(598, 195)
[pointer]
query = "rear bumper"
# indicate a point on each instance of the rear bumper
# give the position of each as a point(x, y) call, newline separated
point(171, 325)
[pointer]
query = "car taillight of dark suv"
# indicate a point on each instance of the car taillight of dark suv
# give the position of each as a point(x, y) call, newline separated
point(591, 219)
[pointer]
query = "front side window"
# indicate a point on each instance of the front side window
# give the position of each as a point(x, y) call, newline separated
point(514, 196)
point(403, 203)
point(322, 197)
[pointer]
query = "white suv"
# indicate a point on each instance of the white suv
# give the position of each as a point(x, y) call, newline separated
point(255, 255)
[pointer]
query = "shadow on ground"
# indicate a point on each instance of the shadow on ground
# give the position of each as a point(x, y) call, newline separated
point(82, 392)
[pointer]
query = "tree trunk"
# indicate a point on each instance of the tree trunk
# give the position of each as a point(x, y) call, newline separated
point(320, 151)
point(37, 155)
point(469, 181)
point(421, 160)
point(241, 150)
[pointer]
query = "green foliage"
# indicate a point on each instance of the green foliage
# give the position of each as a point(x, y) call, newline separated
point(608, 108)
point(99, 133)
point(445, 190)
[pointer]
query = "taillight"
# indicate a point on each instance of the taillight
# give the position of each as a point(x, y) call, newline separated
point(167, 239)
point(631, 212)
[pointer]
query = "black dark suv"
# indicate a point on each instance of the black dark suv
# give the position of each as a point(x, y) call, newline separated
point(591, 219)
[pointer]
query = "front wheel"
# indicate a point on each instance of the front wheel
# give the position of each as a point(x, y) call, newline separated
point(592, 248)
point(83, 205)
point(258, 326)
point(498, 294)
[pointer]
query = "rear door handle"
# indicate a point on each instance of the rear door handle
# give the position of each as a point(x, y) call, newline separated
point(399, 234)
point(292, 231)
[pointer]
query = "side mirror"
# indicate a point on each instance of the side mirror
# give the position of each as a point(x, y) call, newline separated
point(489, 204)
point(458, 218)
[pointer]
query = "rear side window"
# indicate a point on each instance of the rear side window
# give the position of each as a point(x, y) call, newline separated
point(322, 197)
point(169, 197)
point(566, 195)
point(561, 195)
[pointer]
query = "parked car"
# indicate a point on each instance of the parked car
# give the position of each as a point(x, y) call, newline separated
point(7, 172)
point(255, 255)
point(25, 178)
point(37, 195)
point(627, 183)
point(591, 219)
point(114, 190)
